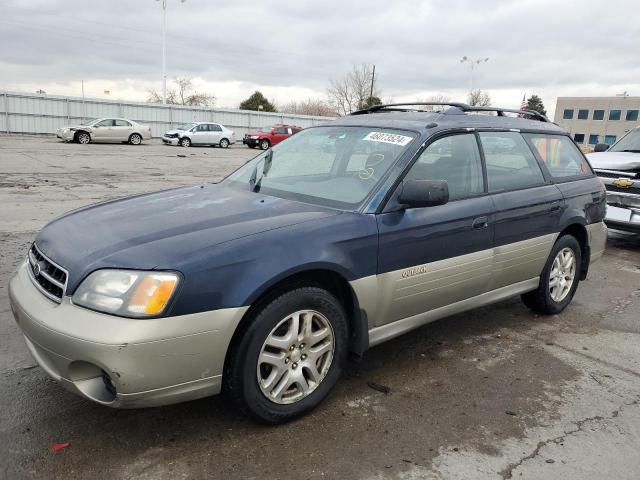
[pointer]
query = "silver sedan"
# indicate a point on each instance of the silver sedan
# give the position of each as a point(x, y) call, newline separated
point(106, 130)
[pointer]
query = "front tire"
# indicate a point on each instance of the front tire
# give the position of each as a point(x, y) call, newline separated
point(559, 279)
point(185, 142)
point(135, 139)
point(290, 356)
point(224, 143)
point(83, 138)
point(264, 144)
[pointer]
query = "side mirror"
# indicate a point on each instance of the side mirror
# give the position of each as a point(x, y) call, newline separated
point(601, 147)
point(424, 193)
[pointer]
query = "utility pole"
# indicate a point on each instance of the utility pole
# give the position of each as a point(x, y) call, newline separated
point(164, 49)
point(164, 52)
point(373, 77)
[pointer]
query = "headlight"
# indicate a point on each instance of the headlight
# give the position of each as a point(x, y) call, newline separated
point(128, 293)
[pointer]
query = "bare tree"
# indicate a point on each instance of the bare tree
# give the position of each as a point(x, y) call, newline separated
point(183, 94)
point(310, 106)
point(478, 98)
point(353, 91)
point(438, 98)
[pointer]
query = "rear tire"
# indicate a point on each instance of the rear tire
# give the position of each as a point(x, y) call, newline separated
point(309, 355)
point(185, 142)
point(559, 279)
point(135, 139)
point(224, 143)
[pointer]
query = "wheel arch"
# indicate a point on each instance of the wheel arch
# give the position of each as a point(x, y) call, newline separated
point(135, 133)
point(78, 132)
point(331, 280)
point(578, 230)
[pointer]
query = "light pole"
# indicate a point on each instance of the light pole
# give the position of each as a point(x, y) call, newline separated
point(164, 49)
point(473, 63)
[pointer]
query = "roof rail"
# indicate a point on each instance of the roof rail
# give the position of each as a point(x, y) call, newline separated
point(501, 111)
point(457, 107)
point(393, 107)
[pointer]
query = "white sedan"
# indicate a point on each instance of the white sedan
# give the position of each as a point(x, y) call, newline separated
point(106, 130)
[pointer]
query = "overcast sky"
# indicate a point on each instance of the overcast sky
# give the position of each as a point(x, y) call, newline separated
point(291, 49)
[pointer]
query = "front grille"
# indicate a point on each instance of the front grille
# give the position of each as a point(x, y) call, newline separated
point(171, 135)
point(610, 174)
point(632, 190)
point(51, 279)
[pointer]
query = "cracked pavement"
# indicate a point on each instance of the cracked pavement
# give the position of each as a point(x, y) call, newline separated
point(495, 393)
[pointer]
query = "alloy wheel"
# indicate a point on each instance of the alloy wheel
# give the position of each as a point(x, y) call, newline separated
point(562, 275)
point(295, 357)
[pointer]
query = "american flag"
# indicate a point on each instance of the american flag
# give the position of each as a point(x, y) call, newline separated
point(523, 104)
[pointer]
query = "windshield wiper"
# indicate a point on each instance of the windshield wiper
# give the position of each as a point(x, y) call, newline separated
point(254, 182)
point(633, 150)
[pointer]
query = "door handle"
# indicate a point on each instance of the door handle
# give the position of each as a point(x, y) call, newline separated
point(555, 207)
point(480, 222)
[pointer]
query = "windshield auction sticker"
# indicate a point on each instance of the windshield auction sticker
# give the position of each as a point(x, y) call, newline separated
point(388, 138)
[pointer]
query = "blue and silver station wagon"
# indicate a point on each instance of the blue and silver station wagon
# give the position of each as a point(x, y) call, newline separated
point(341, 237)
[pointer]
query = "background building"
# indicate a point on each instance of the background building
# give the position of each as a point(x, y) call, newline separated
point(593, 120)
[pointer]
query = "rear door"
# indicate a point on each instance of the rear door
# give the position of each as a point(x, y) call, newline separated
point(527, 208)
point(215, 133)
point(434, 256)
point(121, 130)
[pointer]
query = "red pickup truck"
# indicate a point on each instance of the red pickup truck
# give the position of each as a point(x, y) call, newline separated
point(269, 136)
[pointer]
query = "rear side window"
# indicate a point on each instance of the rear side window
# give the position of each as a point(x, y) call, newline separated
point(455, 159)
point(510, 162)
point(560, 155)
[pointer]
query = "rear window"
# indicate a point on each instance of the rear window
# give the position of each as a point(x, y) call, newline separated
point(560, 155)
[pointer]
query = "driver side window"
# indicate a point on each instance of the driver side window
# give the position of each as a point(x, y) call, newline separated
point(105, 123)
point(456, 159)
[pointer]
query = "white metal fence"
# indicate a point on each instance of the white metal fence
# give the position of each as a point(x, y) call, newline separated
point(33, 113)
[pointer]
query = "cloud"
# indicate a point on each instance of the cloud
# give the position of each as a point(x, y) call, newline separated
point(293, 49)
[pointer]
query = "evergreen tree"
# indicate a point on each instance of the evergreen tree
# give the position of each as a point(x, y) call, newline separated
point(256, 101)
point(534, 102)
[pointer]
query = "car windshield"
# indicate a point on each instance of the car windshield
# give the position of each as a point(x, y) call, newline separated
point(332, 166)
point(266, 129)
point(91, 121)
point(629, 143)
point(186, 126)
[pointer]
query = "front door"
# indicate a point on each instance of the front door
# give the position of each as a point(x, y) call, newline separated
point(527, 208)
point(103, 130)
point(435, 256)
point(201, 134)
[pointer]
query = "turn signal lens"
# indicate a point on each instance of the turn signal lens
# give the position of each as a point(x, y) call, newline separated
point(152, 294)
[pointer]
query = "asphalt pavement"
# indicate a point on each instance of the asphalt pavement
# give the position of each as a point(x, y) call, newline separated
point(498, 392)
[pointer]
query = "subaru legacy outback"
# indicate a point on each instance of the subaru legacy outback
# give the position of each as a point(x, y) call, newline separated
point(262, 285)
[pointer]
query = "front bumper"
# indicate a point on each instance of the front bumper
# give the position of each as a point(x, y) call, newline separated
point(121, 362)
point(251, 142)
point(67, 135)
point(621, 217)
point(170, 141)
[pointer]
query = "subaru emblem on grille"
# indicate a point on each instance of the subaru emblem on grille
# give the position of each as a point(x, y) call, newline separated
point(36, 269)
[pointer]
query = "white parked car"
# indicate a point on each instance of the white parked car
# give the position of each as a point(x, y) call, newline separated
point(200, 133)
point(106, 130)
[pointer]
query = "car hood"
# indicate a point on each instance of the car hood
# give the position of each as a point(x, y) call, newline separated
point(256, 133)
point(173, 132)
point(160, 230)
point(615, 161)
point(70, 127)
